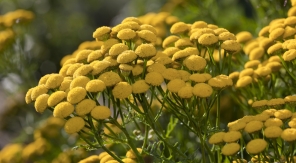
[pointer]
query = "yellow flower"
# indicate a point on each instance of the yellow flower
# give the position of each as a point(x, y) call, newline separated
point(289, 134)
point(183, 43)
point(116, 49)
point(273, 122)
point(82, 55)
point(63, 109)
point(289, 55)
point(207, 39)
point(180, 55)
point(226, 36)
point(156, 67)
point(122, 90)
point(262, 71)
point(175, 85)
point(65, 85)
point(145, 51)
point(273, 132)
point(230, 149)
point(110, 78)
point(170, 51)
point(148, 27)
point(264, 31)
point(126, 34)
point(135, 25)
point(83, 71)
point(137, 70)
point(244, 36)
point(131, 154)
point(41, 103)
point(199, 78)
point(171, 74)
point(276, 33)
point(283, 114)
point(290, 21)
point(244, 81)
point(236, 125)
point(202, 90)
point(217, 83)
point(140, 86)
point(185, 75)
point(84, 107)
point(253, 126)
point(226, 79)
point(217, 138)
point(95, 86)
point(290, 99)
point(37, 91)
point(185, 92)
point(289, 32)
point(79, 81)
point(128, 160)
point(63, 71)
point(55, 98)
point(102, 33)
point(100, 112)
point(197, 32)
point(74, 125)
point(99, 66)
point(154, 78)
point(232, 136)
point(219, 31)
point(43, 79)
point(72, 68)
point(94, 55)
point(11, 153)
point(276, 102)
point(252, 64)
point(179, 28)
point(76, 94)
point(199, 24)
point(147, 36)
point(126, 56)
point(54, 81)
point(108, 44)
point(28, 98)
point(261, 117)
point(195, 63)
point(231, 46)
point(274, 49)
point(165, 60)
point(256, 146)
point(259, 104)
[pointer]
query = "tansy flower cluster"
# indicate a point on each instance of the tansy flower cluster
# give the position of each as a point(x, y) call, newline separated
point(143, 79)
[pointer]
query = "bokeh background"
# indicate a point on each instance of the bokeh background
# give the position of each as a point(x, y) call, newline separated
point(59, 27)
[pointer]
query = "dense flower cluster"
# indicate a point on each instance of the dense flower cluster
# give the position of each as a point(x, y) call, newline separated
point(117, 89)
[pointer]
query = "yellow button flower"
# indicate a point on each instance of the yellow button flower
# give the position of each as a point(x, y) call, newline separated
point(100, 112)
point(140, 86)
point(147, 36)
point(95, 85)
point(54, 81)
point(41, 103)
point(110, 78)
point(202, 90)
point(56, 97)
point(63, 110)
point(37, 91)
point(76, 94)
point(256, 146)
point(79, 81)
point(126, 56)
point(84, 107)
point(230, 149)
point(122, 90)
point(154, 78)
point(74, 125)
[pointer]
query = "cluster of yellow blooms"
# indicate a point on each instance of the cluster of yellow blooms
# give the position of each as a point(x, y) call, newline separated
point(137, 62)
point(8, 20)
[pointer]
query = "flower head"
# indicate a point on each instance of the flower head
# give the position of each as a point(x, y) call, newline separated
point(110, 78)
point(94, 55)
point(74, 125)
point(179, 28)
point(84, 107)
point(175, 85)
point(102, 33)
point(231, 46)
point(100, 112)
point(126, 34)
point(256, 146)
point(41, 103)
point(140, 86)
point(289, 134)
point(76, 94)
point(195, 63)
point(95, 85)
point(56, 97)
point(126, 56)
point(145, 51)
point(79, 81)
point(202, 90)
point(63, 109)
point(122, 90)
point(147, 36)
point(217, 138)
point(253, 126)
point(207, 39)
point(54, 81)
point(230, 149)
point(154, 78)
point(273, 132)
point(82, 55)
point(232, 136)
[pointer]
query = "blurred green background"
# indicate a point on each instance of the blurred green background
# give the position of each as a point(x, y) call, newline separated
point(60, 26)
